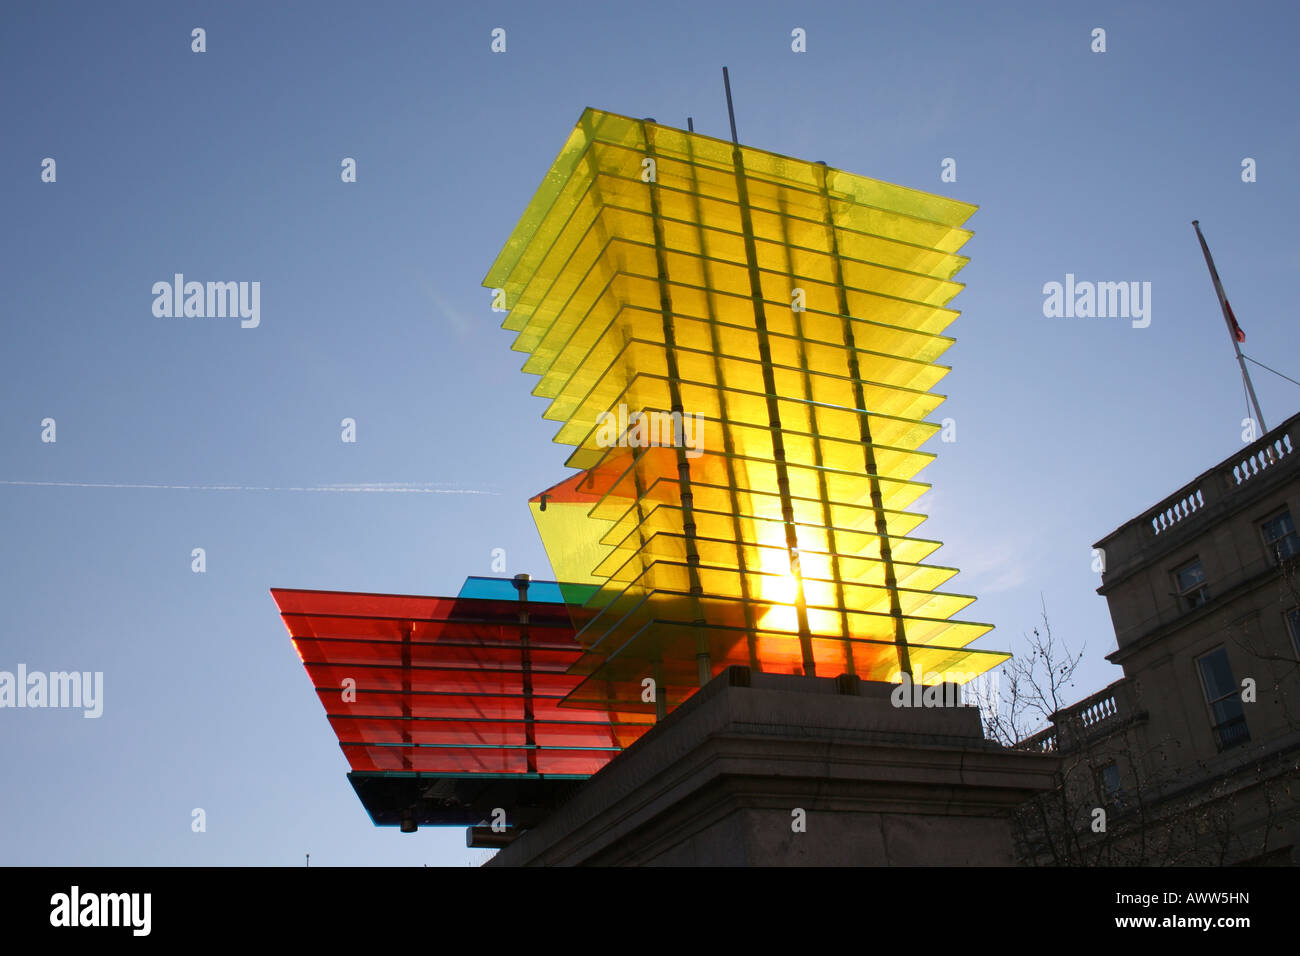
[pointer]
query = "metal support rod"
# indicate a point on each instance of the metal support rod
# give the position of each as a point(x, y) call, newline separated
point(731, 109)
point(729, 455)
point(684, 483)
point(868, 444)
point(407, 632)
point(526, 665)
point(769, 387)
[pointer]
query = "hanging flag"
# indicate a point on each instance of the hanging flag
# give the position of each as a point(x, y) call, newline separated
point(1238, 336)
point(1233, 327)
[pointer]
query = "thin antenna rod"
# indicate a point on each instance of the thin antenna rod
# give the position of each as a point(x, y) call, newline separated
point(731, 110)
point(1233, 328)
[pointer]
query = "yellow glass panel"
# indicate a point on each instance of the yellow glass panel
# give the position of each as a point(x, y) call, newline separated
point(741, 351)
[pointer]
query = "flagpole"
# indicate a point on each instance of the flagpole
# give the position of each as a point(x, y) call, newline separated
point(1233, 328)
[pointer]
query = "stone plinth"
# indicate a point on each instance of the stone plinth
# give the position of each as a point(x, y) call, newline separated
point(721, 780)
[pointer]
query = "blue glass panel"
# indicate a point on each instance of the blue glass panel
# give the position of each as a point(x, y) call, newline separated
point(539, 592)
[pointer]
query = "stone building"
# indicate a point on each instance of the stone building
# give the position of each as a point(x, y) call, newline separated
point(1193, 757)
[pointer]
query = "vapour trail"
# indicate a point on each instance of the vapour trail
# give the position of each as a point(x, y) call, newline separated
point(389, 487)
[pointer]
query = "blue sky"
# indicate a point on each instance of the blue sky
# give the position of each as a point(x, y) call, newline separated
point(225, 166)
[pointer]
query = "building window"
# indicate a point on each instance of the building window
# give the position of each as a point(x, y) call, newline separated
point(1190, 581)
point(1280, 537)
point(1227, 715)
point(1108, 783)
point(1293, 625)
